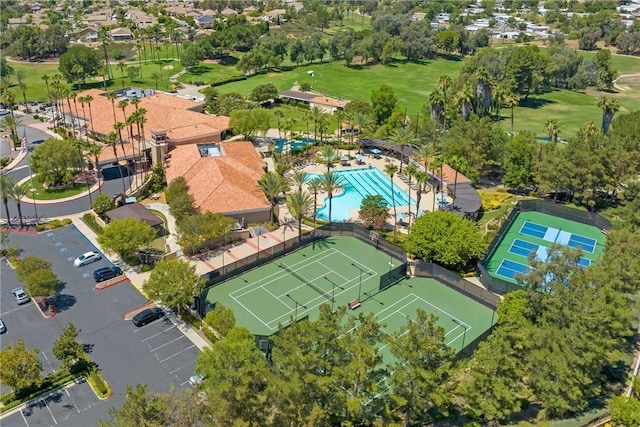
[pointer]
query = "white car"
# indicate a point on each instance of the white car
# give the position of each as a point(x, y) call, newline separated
point(87, 258)
point(4, 112)
point(3, 328)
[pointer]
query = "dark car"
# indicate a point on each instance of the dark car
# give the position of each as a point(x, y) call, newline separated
point(106, 273)
point(147, 316)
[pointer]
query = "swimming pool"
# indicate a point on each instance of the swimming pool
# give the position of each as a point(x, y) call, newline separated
point(357, 184)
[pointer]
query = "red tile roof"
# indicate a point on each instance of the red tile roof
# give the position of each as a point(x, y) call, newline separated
point(223, 184)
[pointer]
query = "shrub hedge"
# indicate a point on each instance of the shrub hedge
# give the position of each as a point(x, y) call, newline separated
point(55, 223)
point(493, 199)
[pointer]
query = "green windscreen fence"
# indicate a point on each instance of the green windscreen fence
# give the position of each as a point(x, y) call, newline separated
point(393, 276)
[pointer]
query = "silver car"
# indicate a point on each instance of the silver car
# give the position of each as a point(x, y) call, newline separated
point(20, 295)
point(3, 328)
point(87, 258)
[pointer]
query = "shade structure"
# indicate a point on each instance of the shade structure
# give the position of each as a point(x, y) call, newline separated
point(359, 156)
point(401, 216)
point(375, 151)
point(441, 196)
point(344, 158)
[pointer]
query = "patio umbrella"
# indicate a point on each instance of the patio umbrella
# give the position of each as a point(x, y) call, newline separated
point(344, 158)
point(359, 156)
point(441, 196)
point(375, 151)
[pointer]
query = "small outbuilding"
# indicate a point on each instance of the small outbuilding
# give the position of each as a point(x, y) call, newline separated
point(137, 211)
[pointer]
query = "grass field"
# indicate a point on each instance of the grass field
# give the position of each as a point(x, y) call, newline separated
point(338, 270)
point(515, 236)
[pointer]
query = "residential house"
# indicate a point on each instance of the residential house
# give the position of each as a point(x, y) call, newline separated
point(204, 20)
point(141, 19)
point(85, 35)
point(121, 34)
point(227, 11)
point(327, 104)
point(275, 15)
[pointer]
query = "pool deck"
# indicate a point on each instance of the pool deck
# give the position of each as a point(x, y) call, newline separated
point(426, 203)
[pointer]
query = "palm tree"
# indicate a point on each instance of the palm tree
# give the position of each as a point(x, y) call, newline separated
point(403, 137)
point(23, 88)
point(118, 126)
point(315, 185)
point(331, 183)
point(88, 99)
point(464, 99)
point(316, 113)
point(458, 163)
point(272, 184)
point(436, 104)
point(391, 169)
point(6, 190)
point(421, 179)
point(279, 115)
point(111, 139)
point(328, 154)
point(12, 123)
point(17, 194)
point(499, 96)
point(140, 116)
point(298, 178)
point(78, 71)
point(438, 163)
point(483, 88)
point(553, 129)
point(444, 84)
point(323, 123)
point(363, 123)
point(512, 101)
point(122, 67)
point(155, 76)
point(609, 107)
point(45, 79)
point(299, 204)
point(289, 123)
point(410, 171)
point(122, 104)
point(112, 96)
point(105, 39)
point(81, 100)
point(104, 73)
point(94, 150)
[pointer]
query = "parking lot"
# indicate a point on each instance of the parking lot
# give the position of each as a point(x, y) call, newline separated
point(157, 354)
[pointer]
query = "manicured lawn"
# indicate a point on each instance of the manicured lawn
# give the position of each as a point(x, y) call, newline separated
point(42, 194)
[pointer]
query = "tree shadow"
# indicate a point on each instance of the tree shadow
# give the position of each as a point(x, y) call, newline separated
point(451, 57)
point(535, 103)
point(63, 302)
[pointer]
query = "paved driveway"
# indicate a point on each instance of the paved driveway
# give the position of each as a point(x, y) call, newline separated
point(157, 354)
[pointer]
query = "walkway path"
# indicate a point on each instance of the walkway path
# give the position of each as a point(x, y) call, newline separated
point(625, 88)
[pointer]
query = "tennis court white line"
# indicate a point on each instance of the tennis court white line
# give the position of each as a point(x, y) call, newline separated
point(273, 295)
point(438, 308)
point(259, 283)
point(368, 270)
point(334, 272)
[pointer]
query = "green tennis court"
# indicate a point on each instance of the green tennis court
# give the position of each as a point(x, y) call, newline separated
point(535, 232)
point(336, 271)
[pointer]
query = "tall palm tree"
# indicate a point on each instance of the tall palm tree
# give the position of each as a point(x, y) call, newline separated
point(272, 185)
point(81, 100)
point(609, 107)
point(104, 73)
point(483, 89)
point(438, 163)
point(323, 123)
point(299, 204)
point(112, 139)
point(464, 99)
point(410, 171)
point(331, 183)
point(118, 126)
point(140, 118)
point(512, 101)
point(329, 154)
point(363, 123)
point(88, 99)
point(22, 85)
point(421, 179)
point(12, 123)
point(316, 113)
point(17, 194)
point(459, 164)
point(391, 169)
point(553, 129)
point(112, 96)
point(499, 95)
point(298, 178)
point(68, 95)
point(6, 190)
point(403, 137)
point(45, 79)
point(94, 151)
point(105, 39)
point(289, 123)
point(436, 105)
point(122, 67)
point(279, 115)
point(122, 104)
point(315, 185)
point(444, 84)
point(78, 71)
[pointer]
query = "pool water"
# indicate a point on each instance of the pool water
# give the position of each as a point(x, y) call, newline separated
point(297, 144)
point(357, 184)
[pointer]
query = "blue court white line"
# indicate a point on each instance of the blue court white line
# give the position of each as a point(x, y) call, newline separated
point(510, 269)
point(534, 230)
point(522, 248)
point(585, 243)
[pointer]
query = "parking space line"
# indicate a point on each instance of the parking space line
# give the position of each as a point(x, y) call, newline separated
point(25, 420)
point(167, 343)
point(159, 333)
point(47, 359)
point(175, 354)
point(72, 402)
point(181, 367)
point(49, 409)
point(15, 309)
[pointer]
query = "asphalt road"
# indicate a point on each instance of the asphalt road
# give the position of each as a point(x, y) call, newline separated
point(157, 354)
point(21, 171)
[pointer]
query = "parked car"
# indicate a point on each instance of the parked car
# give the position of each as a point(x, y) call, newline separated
point(20, 295)
point(87, 258)
point(4, 112)
point(147, 316)
point(195, 380)
point(3, 328)
point(106, 273)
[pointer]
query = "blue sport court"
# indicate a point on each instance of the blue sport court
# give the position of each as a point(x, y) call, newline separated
point(522, 248)
point(555, 235)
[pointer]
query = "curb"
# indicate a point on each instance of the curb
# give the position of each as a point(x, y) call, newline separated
point(53, 309)
point(102, 286)
point(15, 162)
point(129, 315)
point(65, 386)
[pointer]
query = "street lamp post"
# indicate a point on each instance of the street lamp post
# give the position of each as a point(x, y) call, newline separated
point(464, 335)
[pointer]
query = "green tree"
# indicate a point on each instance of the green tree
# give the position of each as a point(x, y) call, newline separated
point(20, 368)
point(272, 185)
point(174, 282)
point(42, 282)
point(421, 368)
point(56, 161)
point(331, 183)
point(404, 137)
point(299, 204)
point(30, 264)
point(265, 92)
point(249, 122)
point(179, 200)
point(609, 107)
point(526, 69)
point(519, 162)
point(374, 212)
point(67, 349)
point(102, 203)
point(447, 239)
point(140, 408)
point(605, 72)
point(6, 189)
point(126, 236)
point(221, 319)
point(235, 376)
point(82, 56)
point(625, 410)
point(383, 101)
